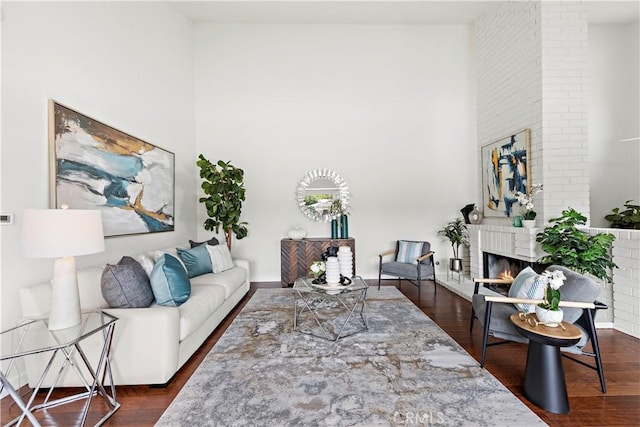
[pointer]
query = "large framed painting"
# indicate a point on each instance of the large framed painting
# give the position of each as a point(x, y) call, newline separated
point(505, 170)
point(94, 166)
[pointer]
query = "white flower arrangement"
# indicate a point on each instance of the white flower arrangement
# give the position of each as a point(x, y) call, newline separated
point(553, 280)
point(317, 268)
point(526, 200)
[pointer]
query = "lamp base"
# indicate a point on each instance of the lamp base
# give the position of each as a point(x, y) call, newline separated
point(65, 298)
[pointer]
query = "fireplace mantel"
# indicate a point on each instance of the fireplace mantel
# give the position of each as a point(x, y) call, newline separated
point(515, 242)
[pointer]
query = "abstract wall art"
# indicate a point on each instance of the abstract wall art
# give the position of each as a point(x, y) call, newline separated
point(505, 170)
point(94, 166)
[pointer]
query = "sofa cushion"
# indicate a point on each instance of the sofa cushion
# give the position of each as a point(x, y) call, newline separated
point(220, 258)
point(230, 280)
point(527, 285)
point(202, 303)
point(169, 281)
point(409, 252)
point(126, 285)
point(196, 260)
point(211, 242)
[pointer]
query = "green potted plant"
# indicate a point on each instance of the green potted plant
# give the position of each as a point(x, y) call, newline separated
point(526, 200)
point(628, 219)
point(223, 185)
point(573, 248)
point(457, 234)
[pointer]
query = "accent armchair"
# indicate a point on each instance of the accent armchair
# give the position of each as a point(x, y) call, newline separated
point(412, 261)
point(578, 302)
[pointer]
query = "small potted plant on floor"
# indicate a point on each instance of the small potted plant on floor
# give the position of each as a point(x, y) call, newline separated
point(457, 234)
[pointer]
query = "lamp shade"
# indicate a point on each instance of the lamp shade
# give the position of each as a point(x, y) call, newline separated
point(53, 233)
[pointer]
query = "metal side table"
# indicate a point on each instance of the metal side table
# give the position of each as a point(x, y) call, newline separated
point(34, 337)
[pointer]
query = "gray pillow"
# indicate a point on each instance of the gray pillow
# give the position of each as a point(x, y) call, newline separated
point(126, 285)
point(211, 242)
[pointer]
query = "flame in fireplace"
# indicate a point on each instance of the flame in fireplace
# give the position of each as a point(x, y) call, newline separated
point(506, 275)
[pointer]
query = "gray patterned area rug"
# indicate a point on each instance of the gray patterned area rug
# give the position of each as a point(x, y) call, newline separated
point(404, 370)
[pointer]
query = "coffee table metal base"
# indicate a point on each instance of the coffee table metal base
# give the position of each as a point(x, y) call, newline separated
point(350, 305)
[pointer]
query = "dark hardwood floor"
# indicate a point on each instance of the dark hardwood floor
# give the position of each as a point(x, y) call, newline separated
point(143, 406)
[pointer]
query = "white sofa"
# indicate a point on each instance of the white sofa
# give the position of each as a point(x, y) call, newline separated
point(150, 344)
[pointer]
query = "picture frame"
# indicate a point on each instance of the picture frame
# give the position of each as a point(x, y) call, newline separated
point(505, 169)
point(95, 166)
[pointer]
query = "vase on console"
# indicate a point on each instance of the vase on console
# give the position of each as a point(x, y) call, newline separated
point(529, 223)
point(334, 228)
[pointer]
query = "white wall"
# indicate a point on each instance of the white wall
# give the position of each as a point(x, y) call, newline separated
point(390, 108)
point(614, 114)
point(129, 65)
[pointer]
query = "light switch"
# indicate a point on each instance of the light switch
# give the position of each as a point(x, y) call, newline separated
point(6, 219)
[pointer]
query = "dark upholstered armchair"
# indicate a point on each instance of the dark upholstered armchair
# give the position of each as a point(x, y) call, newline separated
point(412, 261)
point(578, 303)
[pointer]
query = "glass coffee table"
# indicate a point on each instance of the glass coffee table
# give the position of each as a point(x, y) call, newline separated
point(330, 312)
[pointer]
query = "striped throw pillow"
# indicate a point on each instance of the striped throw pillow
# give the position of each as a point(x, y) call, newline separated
point(526, 285)
point(409, 252)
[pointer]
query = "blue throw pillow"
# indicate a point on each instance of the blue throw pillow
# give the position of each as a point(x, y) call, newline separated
point(409, 252)
point(169, 281)
point(196, 260)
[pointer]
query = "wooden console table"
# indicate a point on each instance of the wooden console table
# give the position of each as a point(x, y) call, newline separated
point(296, 256)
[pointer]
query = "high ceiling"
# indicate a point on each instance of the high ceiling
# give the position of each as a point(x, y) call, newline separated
point(374, 12)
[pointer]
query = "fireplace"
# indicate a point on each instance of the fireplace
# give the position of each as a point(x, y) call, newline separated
point(499, 265)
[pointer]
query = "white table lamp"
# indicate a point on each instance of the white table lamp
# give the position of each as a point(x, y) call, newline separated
point(62, 234)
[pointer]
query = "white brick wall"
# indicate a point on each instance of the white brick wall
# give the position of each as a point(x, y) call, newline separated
point(565, 161)
point(623, 297)
point(509, 80)
point(532, 73)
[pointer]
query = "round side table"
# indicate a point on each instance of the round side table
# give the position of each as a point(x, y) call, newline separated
point(544, 383)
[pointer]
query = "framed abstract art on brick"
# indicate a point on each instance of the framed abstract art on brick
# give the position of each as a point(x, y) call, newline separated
point(505, 170)
point(94, 166)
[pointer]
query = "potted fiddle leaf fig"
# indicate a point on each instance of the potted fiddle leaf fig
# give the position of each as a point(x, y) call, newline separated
point(223, 185)
point(457, 234)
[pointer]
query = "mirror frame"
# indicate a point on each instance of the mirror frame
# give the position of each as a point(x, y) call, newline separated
point(304, 186)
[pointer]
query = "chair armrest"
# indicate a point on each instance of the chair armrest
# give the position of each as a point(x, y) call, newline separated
point(425, 256)
point(571, 304)
point(495, 280)
point(391, 252)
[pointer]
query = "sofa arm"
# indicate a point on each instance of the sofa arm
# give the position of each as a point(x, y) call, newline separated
point(145, 346)
point(244, 264)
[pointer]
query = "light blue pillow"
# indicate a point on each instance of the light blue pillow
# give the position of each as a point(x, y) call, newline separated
point(409, 252)
point(196, 260)
point(526, 285)
point(169, 281)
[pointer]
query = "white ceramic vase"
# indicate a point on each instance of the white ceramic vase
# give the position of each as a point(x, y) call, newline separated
point(550, 317)
point(297, 233)
point(528, 223)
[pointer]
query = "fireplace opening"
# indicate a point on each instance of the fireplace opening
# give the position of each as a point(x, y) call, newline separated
point(500, 266)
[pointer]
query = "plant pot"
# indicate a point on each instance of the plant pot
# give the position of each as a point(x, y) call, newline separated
point(455, 264)
point(528, 223)
point(551, 318)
